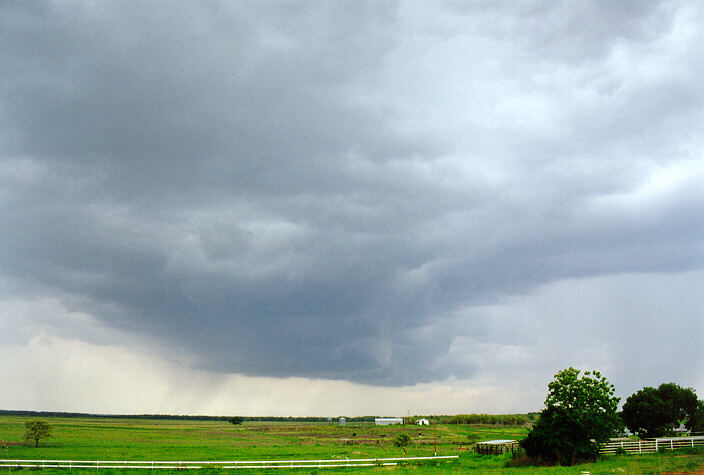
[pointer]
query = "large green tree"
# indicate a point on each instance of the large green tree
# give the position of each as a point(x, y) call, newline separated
point(579, 416)
point(654, 412)
point(697, 424)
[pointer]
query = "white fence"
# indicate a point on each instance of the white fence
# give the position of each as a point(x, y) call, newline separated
point(651, 445)
point(234, 464)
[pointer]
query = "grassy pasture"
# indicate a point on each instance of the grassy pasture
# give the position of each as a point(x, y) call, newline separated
point(143, 439)
point(117, 439)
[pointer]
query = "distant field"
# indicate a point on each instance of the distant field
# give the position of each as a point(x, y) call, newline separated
point(144, 439)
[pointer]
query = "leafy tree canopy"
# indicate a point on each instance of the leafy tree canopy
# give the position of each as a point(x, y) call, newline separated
point(697, 424)
point(654, 412)
point(35, 430)
point(236, 420)
point(402, 440)
point(579, 416)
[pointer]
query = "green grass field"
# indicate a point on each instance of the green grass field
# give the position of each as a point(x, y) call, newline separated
point(161, 440)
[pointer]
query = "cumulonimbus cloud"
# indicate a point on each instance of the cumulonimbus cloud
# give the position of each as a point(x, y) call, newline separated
point(312, 189)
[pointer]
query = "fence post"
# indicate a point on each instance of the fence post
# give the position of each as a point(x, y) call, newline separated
point(671, 446)
point(640, 447)
point(656, 445)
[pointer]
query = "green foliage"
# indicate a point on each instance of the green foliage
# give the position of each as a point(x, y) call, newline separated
point(654, 412)
point(35, 430)
point(697, 423)
point(489, 419)
point(236, 420)
point(402, 440)
point(579, 416)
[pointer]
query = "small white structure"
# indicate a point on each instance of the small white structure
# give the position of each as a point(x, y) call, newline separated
point(387, 421)
point(423, 422)
point(342, 421)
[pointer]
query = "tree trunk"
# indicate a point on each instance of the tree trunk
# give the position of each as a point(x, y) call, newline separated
point(36, 442)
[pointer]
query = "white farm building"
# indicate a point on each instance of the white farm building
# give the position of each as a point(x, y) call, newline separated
point(423, 422)
point(387, 421)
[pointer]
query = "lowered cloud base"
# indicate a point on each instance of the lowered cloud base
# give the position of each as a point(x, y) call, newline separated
point(522, 342)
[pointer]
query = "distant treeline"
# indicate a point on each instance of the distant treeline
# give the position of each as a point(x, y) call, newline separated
point(112, 416)
point(179, 417)
point(308, 419)
point(488, 419)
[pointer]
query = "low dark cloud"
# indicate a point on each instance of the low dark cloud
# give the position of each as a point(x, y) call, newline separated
point(314, 189)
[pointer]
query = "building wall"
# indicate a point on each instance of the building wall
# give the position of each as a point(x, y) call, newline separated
point(388, 421)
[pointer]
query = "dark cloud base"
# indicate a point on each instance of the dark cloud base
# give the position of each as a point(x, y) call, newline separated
point(261, 186)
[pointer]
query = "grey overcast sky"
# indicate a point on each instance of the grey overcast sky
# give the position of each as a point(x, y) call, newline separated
point(328, 207)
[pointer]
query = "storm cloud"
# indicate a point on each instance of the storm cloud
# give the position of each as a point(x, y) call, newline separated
point(357, 191)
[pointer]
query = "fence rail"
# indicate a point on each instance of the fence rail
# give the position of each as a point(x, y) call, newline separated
point(652, 445)
point(231, 464)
